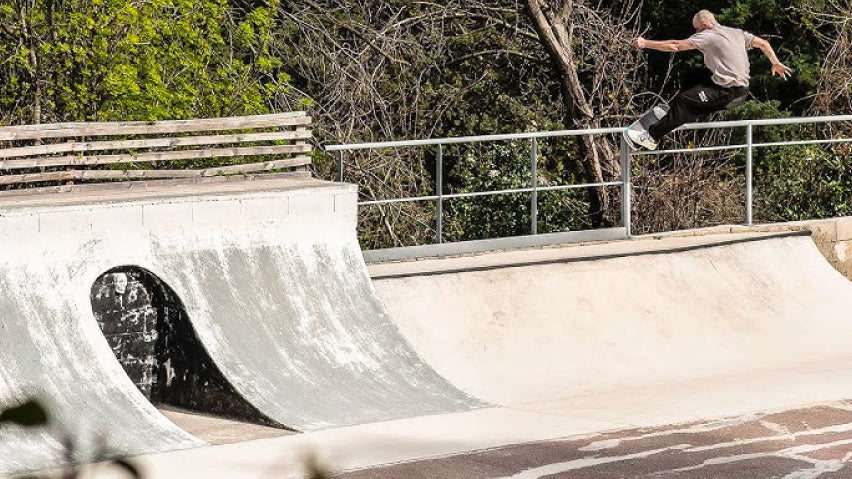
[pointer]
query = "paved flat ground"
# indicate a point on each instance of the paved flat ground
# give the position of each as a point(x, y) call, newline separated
point(799, 443)
point(216, 430)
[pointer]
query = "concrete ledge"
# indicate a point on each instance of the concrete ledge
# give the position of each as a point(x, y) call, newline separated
point(169, 211)
point(494, 244)
point(162, 192)
point(566, 253)
point(833, 237)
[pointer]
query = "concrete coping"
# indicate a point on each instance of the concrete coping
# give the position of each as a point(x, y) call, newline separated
point(159, 190)
point(568, 253)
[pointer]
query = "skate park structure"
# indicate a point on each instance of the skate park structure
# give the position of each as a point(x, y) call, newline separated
point(264, 281)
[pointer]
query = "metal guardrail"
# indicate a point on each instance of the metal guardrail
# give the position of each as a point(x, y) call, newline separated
point(625, 154)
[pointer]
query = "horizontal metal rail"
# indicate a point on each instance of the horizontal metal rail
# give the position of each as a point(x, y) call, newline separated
point(689, 150)
point(766, 122)
point(472, 139)
point(474, 194)
point(743, 146)
point(581, 132)
point(803, 142)
point(626, 153)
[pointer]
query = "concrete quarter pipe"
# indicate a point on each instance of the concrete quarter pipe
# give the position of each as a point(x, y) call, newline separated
point(51, 348)
point(336, 360)
point(271, 278)
point(555, 329)
point(588, 351)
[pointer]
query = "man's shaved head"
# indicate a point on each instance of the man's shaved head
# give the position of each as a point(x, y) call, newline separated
point(704, 20)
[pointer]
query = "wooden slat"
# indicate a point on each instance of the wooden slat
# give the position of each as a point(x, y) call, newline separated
point(142, 183)
point(71, 175)
point(68, 130)
point(133, 174)
point(84, 175)
point(194, 121)
point(71, 124)
point(299, 129)
point(260, 166)
point(169, 142)
point(293, 128)
point(72, 160)
point(37, 177)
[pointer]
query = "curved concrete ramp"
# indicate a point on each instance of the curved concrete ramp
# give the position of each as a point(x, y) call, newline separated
point(294, 324)
point(539, 326)
point(271, 277)
point(52, 348)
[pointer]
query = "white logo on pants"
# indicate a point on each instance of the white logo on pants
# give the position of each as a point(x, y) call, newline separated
point(703, 96)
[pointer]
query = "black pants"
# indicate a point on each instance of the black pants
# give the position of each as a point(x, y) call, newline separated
point(696, 103)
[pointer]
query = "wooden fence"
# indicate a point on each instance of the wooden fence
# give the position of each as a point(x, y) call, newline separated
point(65, 153)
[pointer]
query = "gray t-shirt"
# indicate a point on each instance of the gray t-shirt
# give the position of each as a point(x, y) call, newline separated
point(724, 50)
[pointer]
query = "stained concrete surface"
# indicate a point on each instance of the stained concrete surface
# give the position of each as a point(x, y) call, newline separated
point(799, 443)
point(742, 345)
point(216, 430)
point(529, 334)
point(657, 332)
point(295, 327)
point(271, 278)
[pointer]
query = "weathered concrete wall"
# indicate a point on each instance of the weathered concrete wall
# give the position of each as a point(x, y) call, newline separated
point(122, 302)
point(833, 237)
point(271, 278)
point(151, 335)
point(707, 325)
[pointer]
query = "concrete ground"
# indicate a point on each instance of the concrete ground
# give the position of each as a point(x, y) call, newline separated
point(805, 442)
point(797, 443)
point(216, 430)
point(709, 358)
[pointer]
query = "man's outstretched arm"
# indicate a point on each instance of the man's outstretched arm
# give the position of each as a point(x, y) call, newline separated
point(665, 45)
point(778, 68)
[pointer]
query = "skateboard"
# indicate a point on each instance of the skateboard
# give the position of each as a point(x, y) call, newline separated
point(647, 120)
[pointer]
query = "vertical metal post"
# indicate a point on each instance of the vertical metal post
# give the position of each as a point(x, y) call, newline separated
point(534, 185)
point(749, 192)
point(340, 166)
point(626, 199)
point(439, 187)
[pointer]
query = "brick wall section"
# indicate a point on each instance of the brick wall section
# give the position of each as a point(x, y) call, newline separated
point(149, 332)
point(129, 322)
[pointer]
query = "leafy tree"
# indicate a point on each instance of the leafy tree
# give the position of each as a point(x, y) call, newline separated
point(122, 59)
point(392, 69)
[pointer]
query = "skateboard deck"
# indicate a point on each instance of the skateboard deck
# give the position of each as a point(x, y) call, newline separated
point(647, 120)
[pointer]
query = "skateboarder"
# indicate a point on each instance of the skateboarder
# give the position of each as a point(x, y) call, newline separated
point(724, 50)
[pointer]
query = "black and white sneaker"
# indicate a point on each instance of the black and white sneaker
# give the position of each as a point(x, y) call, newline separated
point(640, 138)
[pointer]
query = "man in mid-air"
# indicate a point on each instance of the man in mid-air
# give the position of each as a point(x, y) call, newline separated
point(725, 54)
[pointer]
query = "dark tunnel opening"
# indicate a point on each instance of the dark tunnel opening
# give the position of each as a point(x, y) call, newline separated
point(149, 331)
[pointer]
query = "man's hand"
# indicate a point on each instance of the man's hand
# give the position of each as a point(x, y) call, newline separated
point(778, 68)
point(781, 70)
point(640, 43)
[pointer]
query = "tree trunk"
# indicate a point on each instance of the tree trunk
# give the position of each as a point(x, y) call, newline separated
point(31, 45)
point(553, 23)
